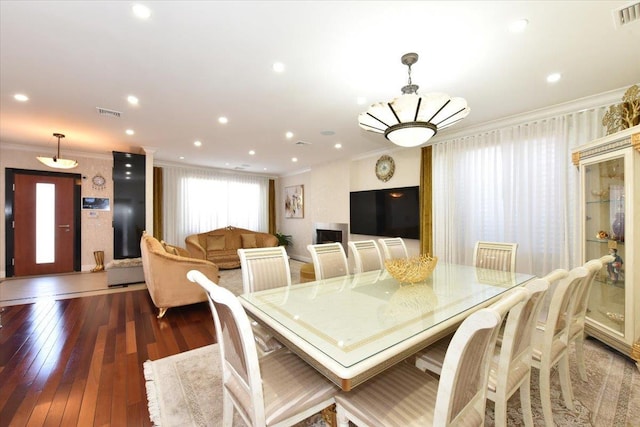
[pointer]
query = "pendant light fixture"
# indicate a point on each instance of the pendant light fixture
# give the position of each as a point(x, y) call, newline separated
point(412, 119)
point(55, 161)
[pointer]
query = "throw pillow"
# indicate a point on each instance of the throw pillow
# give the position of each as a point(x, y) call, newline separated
point(167, 248)
point(249, 241)
point(215, 242)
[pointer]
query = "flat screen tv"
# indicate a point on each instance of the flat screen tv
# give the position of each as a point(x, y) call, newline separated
point(391, 212)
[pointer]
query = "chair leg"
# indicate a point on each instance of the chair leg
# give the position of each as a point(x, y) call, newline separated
point(580, 357)
point(162, 311)
point(525, 401)
point(341, 417)
point(500, 412)
point(565, 382)
point(227, 409)
point(545, 393)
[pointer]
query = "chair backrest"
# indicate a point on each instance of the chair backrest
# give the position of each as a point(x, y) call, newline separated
point(582, 295)
point(495, 255)
point(329, 260)
point(516, 346)
point(240, 367)
point(366, 255)
point(463, 383)
point(563, 299)
point(264, 268)
point(394, 248)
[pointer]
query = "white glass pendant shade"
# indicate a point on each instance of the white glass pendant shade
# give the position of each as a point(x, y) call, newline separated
point(411, 120)
point(54, 162)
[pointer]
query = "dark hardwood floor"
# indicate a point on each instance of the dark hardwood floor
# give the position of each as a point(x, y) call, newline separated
point(78, 362)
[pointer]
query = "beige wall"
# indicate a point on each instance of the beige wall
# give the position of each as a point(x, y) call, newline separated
point(326, 195)
point(97, 233)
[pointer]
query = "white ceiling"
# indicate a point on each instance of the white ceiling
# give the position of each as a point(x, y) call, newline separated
point(194, 61)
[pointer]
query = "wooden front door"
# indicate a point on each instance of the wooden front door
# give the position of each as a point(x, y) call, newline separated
point(44, 224)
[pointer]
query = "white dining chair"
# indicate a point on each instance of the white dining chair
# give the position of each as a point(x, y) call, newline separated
point(264, 268)
point(405, 396)
point(495, 255)
point(550, 340)
point(393, 247)
point(366, 255)
point(329, 260)
point(511, 363)
point(576, 331)
point(278, 389)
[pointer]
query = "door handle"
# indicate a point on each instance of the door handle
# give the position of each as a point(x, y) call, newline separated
point(64, 226)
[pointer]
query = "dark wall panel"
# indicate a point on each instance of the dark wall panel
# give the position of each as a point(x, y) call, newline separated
point(128, 204)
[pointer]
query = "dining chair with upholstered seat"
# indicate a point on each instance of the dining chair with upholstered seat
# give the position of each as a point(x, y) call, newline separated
point(511, 364)
point(550, 339)
point(394, 247)
point(278, 389)
point(495, 255)
point(264, 268)
point(366, 255)
point(576, 330)
point(329, 260)
point(405, 396)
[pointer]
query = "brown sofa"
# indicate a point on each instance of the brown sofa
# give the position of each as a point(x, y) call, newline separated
point(165, 270)
point(221, 246)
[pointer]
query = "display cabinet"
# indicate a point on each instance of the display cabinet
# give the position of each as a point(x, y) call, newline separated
point(610, 224)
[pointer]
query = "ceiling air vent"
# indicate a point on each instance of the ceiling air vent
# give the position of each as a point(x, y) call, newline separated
point(107, 112)
point(303, 143)
point(626, 14)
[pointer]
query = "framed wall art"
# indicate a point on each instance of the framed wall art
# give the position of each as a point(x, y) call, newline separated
point(294, 201)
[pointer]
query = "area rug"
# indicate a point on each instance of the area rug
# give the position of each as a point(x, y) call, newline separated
point(185, 390)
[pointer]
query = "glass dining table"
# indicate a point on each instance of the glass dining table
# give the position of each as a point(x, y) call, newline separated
point(352, 327)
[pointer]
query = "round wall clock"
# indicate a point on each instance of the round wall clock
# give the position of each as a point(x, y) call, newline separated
point(385, 167)
point(99, 182)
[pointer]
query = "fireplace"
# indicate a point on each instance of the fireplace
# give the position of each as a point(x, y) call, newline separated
point(329, 232)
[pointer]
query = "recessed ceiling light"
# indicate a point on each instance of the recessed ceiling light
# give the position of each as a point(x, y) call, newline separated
point(289, 135)
point(223, 120)
point(554, 78)
point(518, 26)
point(20, 97)
point(252, 152)
point(132, 100)
point(338, 145)
point(264, 169)
point(197, 143)
point(294, 159)
point(278, 67)
point(181, 157)
point(141, 11)
point(128, 165)
point(128, 173)
point(129, 132)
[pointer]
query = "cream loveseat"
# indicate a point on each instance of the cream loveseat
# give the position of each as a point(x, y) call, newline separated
point(221, 246)
point(165, 272)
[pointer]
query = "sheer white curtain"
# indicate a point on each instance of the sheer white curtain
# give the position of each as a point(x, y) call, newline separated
point(514, 184)
point(198, 200)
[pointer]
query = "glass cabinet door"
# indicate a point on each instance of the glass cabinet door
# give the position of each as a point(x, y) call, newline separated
point(604, 200)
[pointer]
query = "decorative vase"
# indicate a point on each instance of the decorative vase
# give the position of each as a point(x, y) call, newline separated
point(618, 226)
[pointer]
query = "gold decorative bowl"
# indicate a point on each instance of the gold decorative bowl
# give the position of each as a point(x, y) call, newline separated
point(411, 270)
